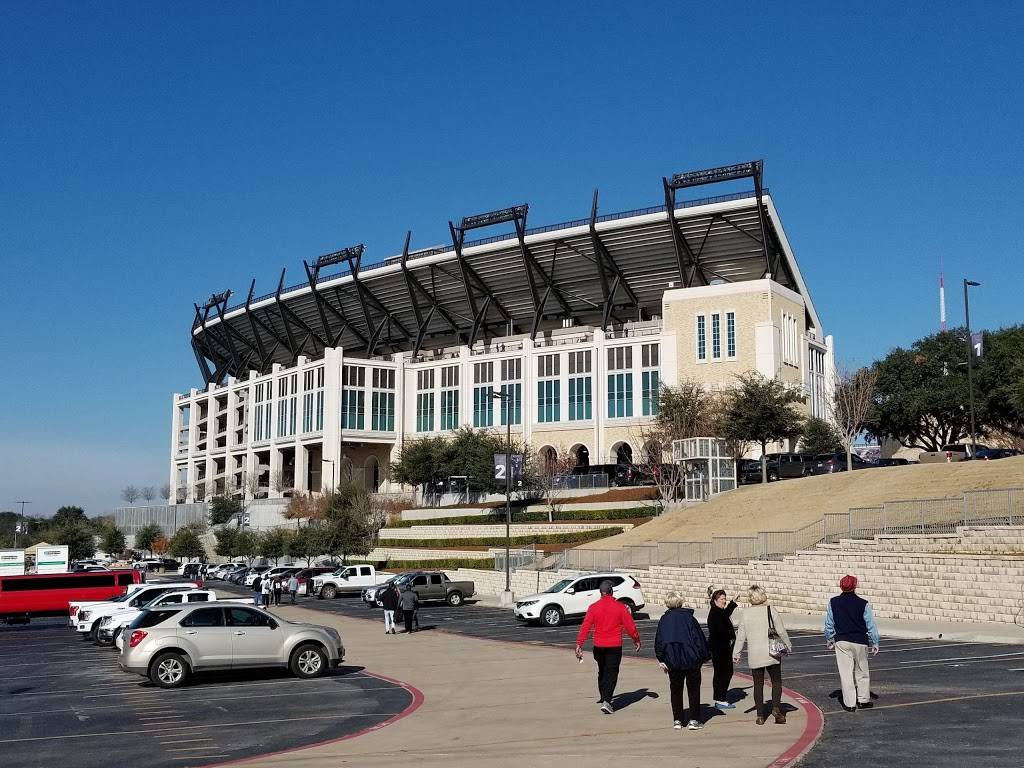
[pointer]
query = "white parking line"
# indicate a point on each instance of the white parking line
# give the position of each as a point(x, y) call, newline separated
point(831, 654)
point(968, 658)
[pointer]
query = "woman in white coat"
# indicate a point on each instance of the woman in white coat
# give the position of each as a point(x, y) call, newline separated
point(753, 632)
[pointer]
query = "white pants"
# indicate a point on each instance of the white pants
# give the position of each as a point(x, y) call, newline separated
point(852, 660)
point(389, 620)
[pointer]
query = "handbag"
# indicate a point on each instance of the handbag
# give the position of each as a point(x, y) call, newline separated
point(777, 647)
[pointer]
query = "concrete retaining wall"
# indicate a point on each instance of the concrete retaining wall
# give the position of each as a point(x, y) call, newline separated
point(480, 531)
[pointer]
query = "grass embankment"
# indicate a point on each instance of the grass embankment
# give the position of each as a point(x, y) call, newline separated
point(792, 504)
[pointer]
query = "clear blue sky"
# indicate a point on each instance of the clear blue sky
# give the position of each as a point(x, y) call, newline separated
point(151, 154)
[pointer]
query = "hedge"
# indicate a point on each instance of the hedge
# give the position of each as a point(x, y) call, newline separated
point(573, 537)
point(563, 516)
point(437, 564)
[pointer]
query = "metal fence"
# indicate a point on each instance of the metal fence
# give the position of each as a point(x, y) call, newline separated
point(518, 558)
point(580, 482)
point(170, 517)
point(1004, 506)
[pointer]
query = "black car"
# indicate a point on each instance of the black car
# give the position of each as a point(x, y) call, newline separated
point(827, 463)
point(893, 462)
point(749, 471)
point(991, 454)
point(785, 466)
point(632, 474)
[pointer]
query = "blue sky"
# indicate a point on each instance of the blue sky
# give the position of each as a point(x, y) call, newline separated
point(155, 153)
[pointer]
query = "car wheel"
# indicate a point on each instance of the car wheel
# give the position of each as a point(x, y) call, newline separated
point(308, 661)
point(773, 477)
point(169, 670)
point(104, 642)
point(94, 633)
point(329, 591)
point(551, 616)
point(455, 598)
point(630, 605)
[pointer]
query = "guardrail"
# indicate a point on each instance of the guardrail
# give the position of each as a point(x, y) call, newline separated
point(1002, 506)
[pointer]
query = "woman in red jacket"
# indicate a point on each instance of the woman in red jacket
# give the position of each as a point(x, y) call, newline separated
point(609, 618)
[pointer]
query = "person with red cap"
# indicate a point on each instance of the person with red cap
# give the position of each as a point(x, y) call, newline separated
point(850, 629)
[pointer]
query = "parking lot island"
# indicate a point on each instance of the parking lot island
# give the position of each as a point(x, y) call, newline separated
point(493, 703)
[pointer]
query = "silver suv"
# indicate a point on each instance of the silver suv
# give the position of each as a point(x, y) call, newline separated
point(168, 644)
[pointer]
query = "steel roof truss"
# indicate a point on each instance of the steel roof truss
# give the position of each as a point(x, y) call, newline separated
point(475, 287)
point(606, 265)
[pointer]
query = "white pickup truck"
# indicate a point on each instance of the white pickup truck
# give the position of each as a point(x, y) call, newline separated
point(347, 580)
point(85, 618)
point(112, 626)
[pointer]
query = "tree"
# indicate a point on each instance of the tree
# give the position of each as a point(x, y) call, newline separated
point(346, 529)
point(246, 545)
point(428, 461)
point(820, 437)
point(303, 542)
point(424, 462)
point(160, 546)
point(129, 493)
point(112, 541)
point(186, 544)
point(307, 508)
point(148, 493)
point(78, 537)
point(147, 535)
point(68, 515)
point(223, 509)
point(853, 393)
point(273, 544)
point(922, 395)
point(165, 491)
point(226, 540)
point(999, 383)
point(761, 410)
point(550, 466)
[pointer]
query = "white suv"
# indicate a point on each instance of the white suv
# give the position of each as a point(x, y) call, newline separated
point(572, 597)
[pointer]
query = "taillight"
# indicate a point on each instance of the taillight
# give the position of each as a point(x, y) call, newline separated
point(74, 610)
point(198, 583)
point(635, 582)
point(137, 637)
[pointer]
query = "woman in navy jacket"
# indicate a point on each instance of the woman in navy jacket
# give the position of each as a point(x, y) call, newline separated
point(681, 649)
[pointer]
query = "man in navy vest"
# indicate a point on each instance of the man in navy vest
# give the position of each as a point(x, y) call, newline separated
point(850, 629)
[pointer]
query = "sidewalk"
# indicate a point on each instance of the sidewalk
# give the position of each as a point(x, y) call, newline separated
point(498, 704)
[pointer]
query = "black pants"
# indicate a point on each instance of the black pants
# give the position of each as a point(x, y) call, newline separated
point(277, 597)
point(408, 615)
point(689, 679)
point(775, 673)
point(608, 660)
point(722, 662)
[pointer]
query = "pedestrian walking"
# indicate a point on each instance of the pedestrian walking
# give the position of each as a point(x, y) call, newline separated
point(257, 594)
point(389, 599)
point(609, 619)
point(265, 590)
point(277, 588)
point(721, 638)
point(681, 649)
point(850, 629)
point(762, 631)
point(409, 602)
point(293, 586)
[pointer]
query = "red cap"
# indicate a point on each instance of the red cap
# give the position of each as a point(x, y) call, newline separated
point(848, 583)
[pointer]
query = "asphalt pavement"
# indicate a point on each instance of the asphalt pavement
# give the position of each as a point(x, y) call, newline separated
point(936, 702)
point(65, 702)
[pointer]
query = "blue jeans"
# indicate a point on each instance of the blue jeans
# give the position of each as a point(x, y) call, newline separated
point(258, 598)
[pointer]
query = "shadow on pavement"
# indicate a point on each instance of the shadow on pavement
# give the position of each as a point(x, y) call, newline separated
point(624, 700)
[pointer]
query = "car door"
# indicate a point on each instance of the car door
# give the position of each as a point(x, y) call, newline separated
point(206, 637)
point(436, 587)
point(255, 639)
point(419, 586)
point(584, 592)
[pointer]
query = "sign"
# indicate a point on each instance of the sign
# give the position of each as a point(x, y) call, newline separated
point(976, 344)
point(12, 562)
point(21, 527)
point(516, 468)
point(52, 560)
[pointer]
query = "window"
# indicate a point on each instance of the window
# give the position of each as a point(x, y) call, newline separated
point(716, 336)
point(483, 403)
point(579, 362)
point(730, 335)
point(620, 385)
point(246, 617)
point(425, 412)
point(435, 579)
point(201, 597)
point(549, 391)
point(313, 400)
point(649, 355)
point(425, 379)
point(450, 397)
point(790, 340)
point(382, 400)
point(152, 617)
point(702, 352)
point(419, 581)
point(264, 394)
point(580, 398)
point(511, 391)
point(287, 389)
point(353, 398)
point(204, 617)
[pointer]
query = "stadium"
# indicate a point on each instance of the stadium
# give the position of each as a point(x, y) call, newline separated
point(575, 324)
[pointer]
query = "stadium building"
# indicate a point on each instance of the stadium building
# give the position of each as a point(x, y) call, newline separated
point(575, 324)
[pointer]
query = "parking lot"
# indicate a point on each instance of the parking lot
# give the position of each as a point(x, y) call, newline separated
point(66, 702)
point(935, 700)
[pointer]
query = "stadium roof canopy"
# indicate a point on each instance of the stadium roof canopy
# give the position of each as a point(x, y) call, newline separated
point(598, 271)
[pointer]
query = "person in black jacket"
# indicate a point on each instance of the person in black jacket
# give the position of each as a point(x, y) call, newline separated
point(721, 638)
point(389, 599)
point(681, 649)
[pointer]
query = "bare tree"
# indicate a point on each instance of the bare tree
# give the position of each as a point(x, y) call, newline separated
point(851, 398)
point(148, 493)
point(200, 490)
point(130, 493)
point(165, 491)
point(279, 482)
point(552, 466)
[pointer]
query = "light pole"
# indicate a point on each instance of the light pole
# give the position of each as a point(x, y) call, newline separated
point(505, 397)
point(21, 518)
point(331, 462)
point(970, 359)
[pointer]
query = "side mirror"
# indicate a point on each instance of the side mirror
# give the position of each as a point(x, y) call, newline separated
point(272, 625)
point(570, 591)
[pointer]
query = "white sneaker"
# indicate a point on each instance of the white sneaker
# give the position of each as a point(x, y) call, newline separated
point(678, 725)
point(607, 708)
point(693, 725)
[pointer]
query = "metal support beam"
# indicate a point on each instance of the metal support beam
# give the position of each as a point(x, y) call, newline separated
point(415, 289)
point(535, 270)
point(606, 267)
point(686, 261)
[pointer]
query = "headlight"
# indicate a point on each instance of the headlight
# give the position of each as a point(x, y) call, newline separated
point(527, 602)
point(83, 615)
point(107, 621)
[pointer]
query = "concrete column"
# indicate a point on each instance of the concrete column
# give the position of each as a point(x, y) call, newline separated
point(529, 390)
point(465, 387)
point(333, 361)
point(597, 391)
point(175, 430)
point(193, 435)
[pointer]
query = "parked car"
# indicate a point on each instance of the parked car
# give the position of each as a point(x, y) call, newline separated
point(112, 628)
point(86, 620)
point(222, 570)
point(371, 595)
point(893, 462)
point(572, 597)
point(633, 474)
point(252, 573)
point(435, 585)
point(168, 645)
point(347, 580)
point(786, 466)
point(305, 577)
point(156, 564)
point(991, 454)
point(950, 454)
point(827, 463)
point(749, 471)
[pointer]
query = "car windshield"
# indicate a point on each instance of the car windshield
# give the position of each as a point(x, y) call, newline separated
point(120, 598)
point(558, 587)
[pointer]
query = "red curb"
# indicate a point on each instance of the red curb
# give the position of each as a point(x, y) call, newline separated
point(417, 701)
point(813, 726)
